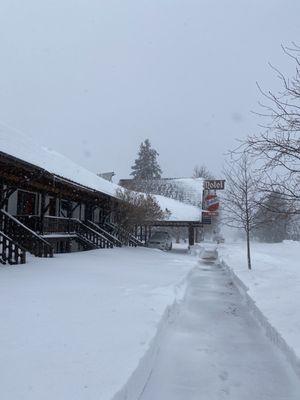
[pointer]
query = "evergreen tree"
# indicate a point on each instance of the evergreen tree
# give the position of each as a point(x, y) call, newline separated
point(146, 166)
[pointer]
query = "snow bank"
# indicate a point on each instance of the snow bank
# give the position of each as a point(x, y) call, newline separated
point(77, 326)
point(137, 382)
point(271, 290)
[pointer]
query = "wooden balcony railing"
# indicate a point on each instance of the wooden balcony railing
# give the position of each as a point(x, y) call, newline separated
point(60, 225)
point(48, 224)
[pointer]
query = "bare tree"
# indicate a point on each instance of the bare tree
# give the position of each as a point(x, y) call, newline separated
point(138, 208)
point(241, 197)
point(278, 146)
point(202, 172)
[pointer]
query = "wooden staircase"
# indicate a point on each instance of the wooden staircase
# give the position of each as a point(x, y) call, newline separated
point(24, 237)
point(113, 239)
point(10, 252)
point(92, 237)
point(60, 228)
point(125, 237)
point(39, 237)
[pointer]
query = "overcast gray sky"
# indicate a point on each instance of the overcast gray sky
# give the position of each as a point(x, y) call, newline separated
point(93, 78)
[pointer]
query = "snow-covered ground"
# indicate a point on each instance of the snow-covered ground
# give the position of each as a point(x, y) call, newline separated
point(80, 326)
point(274, 283)
point(75, 327)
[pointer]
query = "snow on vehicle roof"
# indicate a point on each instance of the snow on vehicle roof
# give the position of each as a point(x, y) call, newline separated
point(21, 146)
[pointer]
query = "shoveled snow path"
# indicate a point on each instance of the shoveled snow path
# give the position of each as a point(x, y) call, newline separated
point(215, 349)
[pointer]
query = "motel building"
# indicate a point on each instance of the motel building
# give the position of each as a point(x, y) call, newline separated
point(49, 205)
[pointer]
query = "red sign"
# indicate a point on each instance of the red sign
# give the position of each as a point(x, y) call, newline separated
point(212, 203)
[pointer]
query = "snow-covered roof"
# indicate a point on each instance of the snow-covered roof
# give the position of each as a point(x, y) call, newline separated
point(179, 211)
point(186, 190)
point(192, 189)
point(19, 145)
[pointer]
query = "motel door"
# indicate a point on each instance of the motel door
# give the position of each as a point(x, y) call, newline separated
point(52, 206)
point(26, 203)
point(89, 213)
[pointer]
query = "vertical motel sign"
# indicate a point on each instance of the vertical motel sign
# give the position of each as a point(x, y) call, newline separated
point(210, 201)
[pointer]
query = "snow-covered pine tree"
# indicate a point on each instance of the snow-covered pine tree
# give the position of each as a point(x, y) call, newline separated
point(146, 166)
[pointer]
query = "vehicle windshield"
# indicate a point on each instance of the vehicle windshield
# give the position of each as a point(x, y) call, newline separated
point(159, 235)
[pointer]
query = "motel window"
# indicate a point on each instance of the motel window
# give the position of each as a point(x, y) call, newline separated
point(26, 203)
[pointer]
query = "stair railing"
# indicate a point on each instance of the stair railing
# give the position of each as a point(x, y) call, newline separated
point(92, 235)
point(62, 225)
point(11, 252)
point(23, 236)
point(113, 239)
point(123, 235)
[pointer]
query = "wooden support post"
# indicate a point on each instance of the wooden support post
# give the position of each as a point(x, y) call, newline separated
point(1, 191)
point(177, 235)
point(69, 210)
point(197, 235)
point(59, 206)
point(191, 235)
point(43, 208)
